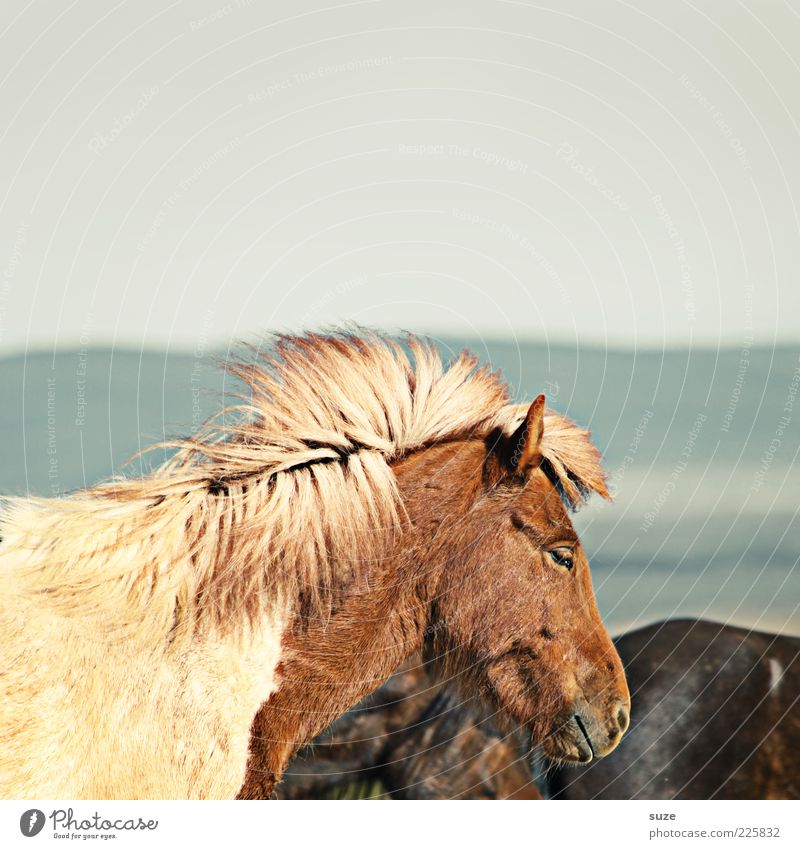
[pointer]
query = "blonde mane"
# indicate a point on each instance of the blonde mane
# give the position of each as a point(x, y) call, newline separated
point(282, 497)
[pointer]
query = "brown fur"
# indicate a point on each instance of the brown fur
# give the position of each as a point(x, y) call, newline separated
point(414, 738)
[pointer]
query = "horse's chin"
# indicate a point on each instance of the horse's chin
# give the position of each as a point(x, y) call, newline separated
point(569, 743)
point(568, 740)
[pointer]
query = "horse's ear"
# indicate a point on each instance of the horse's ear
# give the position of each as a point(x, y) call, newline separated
point(527, 439)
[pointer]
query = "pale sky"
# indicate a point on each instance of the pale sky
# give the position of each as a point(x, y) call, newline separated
point(184, 174)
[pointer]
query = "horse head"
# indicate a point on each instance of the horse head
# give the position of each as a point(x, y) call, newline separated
point(513, 611)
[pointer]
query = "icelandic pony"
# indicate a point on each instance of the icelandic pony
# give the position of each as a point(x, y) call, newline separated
point(358, 505)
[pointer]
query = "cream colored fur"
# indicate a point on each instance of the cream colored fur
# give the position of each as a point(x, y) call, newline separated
point(141, 620)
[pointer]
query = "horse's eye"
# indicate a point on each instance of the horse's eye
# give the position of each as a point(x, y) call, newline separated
point(562, 556)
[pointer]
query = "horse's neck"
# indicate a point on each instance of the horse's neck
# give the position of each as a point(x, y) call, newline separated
point(326, 667)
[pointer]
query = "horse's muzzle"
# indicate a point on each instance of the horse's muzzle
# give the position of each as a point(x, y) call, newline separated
point(586, 733)
point(600, 732)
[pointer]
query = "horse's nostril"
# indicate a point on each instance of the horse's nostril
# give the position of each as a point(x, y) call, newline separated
point(623, 719)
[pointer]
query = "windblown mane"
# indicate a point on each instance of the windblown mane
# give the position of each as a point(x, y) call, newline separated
point(280, 497)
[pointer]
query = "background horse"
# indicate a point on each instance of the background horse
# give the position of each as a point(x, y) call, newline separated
point(358, 508)
point(716, 714)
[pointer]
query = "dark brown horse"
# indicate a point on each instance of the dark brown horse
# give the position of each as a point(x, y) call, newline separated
point(716, 716)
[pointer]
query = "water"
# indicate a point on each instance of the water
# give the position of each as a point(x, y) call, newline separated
point(702, 447)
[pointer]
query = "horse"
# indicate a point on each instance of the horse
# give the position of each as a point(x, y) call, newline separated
point(361, 503)
point(414, 738)
point(717, 717)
